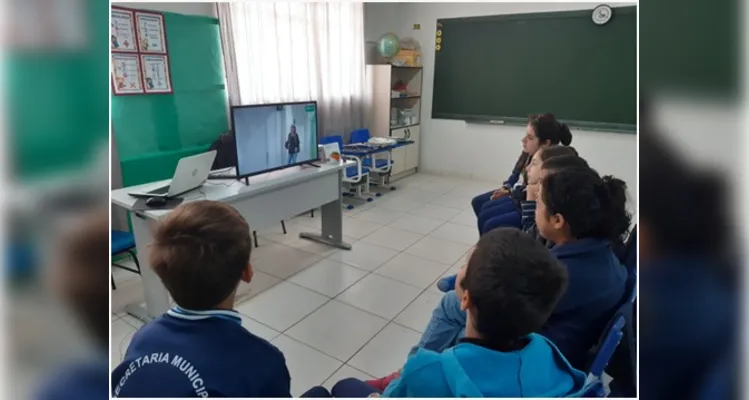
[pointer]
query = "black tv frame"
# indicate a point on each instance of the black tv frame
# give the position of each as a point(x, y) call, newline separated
point(265, 171)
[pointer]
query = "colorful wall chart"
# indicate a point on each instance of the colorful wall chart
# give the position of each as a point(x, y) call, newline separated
point(156, 73)
point(123, 31)
point(151, 32)
point(140, 60)
point(126, 74)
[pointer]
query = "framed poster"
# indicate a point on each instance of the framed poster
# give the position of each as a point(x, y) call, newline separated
point(151, 32)
point(126, 74)
point(156, 75)
point(123, 30)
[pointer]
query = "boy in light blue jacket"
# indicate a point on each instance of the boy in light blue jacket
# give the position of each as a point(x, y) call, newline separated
point(508, 289)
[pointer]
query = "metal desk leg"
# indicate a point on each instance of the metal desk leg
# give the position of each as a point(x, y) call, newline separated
point(332, 223)
point(157, 297)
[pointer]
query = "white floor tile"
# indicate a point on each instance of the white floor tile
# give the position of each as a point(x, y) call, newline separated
point(293, 230)
point(307, 366)
point(129, 292)
point(316, 248)
point(266, 249)
point(400, 204)
point(392, 238)
point(438, 186)
point(364, 256)
point(416, 224)
point(417, 314)
point(380, 295)
point(132, 321)
point(435, 211)
point(286, 263)
point(412, 270)
point(438, 250)
point(337, 329)
point(282, 305)
point(358, 208)
point(387, 352)
point(456, 233)
point(416, 194)
point(308, 221)
point(122, 275)
point(259, 283)
point(467, 218)
point(454, 200)
point(344, 372)
point(258, 329)
point(378, 216)
point(328, 277)
point(358, 228)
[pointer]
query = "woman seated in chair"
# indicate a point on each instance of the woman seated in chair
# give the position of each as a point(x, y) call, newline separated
point(501, 207)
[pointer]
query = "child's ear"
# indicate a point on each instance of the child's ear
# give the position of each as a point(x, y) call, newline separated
point(465, 300)
point(557, 221)
point(247, 273)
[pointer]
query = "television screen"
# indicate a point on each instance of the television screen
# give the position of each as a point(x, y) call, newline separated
point(274, 136)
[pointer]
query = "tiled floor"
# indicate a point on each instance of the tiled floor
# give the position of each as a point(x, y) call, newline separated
point(337, 314)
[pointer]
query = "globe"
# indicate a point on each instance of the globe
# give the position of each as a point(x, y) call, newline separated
point(388, 45)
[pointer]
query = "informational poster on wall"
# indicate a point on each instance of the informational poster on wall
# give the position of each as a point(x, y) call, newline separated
point(151, 32)
point(123, 31)
point(126, 74)
point(156, 73)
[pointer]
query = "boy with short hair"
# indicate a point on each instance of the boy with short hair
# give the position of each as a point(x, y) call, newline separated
point(508, 289)
point(201, 252)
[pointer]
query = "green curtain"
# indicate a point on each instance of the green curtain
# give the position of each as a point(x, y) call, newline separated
point(154, 131)
point(57, 102)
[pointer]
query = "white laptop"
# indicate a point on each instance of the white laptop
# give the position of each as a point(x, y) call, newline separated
point(191, 173)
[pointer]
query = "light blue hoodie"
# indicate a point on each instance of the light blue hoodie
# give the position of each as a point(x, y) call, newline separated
point(471, 370)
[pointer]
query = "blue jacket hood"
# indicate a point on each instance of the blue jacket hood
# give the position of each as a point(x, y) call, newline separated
point(470, 370)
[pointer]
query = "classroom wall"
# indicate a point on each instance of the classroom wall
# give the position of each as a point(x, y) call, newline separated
point(485, 152)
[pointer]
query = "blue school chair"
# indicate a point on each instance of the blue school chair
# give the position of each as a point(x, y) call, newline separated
point(617, 329)
point(124, 242)
point(382, 167)
point(355, 177)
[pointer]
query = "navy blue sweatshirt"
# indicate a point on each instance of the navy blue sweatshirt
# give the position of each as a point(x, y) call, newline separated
point(595, 290)
point(687, 325)
point(200, 354)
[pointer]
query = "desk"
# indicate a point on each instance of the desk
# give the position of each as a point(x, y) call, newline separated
point(363, 151)
point(268, 199)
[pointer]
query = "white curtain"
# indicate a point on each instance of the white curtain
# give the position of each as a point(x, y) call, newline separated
point(287, 51)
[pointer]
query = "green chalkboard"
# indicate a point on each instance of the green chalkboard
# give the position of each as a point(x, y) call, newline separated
point(504, 68)
point(153, 131)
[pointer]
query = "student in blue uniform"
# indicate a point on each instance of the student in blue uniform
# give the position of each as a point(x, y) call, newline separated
point(199, 348)
point(581, 213)
point(689, 320)
point(507, 290)
point(498, 208)
point(545, 160)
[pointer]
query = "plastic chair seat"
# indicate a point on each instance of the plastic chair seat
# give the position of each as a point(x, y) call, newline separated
point(353, 172)
point(122, 241)
point(379, 163)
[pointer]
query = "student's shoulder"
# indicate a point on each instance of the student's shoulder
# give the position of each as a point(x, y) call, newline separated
point(422, 362)
point(258, 346)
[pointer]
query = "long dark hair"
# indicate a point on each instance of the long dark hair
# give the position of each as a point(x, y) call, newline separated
point(593, 206)
point(548, 128)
